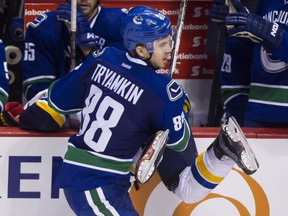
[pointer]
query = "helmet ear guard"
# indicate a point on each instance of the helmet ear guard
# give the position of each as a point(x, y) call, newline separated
point(144, 25)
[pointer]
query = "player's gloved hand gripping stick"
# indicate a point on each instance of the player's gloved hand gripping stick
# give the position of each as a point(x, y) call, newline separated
point(257, 29)
point(221, 8)
point(240, 23)
point(84, 35)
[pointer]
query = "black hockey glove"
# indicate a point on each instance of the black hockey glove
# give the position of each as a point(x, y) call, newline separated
point(257, 29)
point(84, 35)
point(221, 8)
point(10, 115)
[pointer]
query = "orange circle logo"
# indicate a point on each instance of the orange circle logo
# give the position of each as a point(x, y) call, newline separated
point(141, 197)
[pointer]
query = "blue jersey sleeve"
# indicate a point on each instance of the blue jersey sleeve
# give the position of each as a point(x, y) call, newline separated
point(176, 119)
point(67, 94)
point(4, 79)
point(181, 149)
point(281, 52)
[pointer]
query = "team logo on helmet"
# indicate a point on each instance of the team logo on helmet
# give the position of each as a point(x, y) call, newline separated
point(138, 20)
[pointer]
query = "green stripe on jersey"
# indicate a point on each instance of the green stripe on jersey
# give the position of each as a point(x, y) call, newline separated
point(269, 94)
point(181, 144)
point(227, 93)
point(3, 97)
point(97, 161)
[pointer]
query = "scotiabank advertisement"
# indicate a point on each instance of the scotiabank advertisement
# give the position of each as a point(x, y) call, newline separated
point(29, 162)
point(192, 62)
point(32, 10)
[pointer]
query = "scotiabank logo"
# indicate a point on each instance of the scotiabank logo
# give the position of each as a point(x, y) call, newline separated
point(34, 12)
point(170, 12)
point(196, 41)
point(257, 205)
point(197, 12)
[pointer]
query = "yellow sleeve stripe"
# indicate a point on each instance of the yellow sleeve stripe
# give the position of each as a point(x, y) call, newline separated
point(58, 118)
point(186, 106)
point(205, 172)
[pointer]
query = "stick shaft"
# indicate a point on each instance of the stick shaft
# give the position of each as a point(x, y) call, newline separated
point(232, 9)
point(179, 27)
point(73, 33)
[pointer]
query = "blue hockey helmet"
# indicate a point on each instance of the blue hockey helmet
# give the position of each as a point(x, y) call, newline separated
point(144, 25)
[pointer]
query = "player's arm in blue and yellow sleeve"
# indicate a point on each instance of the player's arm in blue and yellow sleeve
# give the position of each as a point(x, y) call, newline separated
point(48, 112)
point(40, 117)
point(181, 149)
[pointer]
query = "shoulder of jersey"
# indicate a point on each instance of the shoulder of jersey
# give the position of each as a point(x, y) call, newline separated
point(114, 11)
point(105, 51)
point(173, 90)
point(112, 16)
point(49, 18)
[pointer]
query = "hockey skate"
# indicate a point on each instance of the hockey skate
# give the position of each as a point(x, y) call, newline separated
point(231, 142)
point(151, 156)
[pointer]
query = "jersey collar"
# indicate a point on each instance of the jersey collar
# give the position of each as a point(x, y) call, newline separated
point(95, 17)
point(135, 60)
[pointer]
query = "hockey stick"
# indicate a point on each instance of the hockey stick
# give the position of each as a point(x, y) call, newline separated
point(180, 23)
point(231, 6)
point(73, 34)
point(216, 33)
